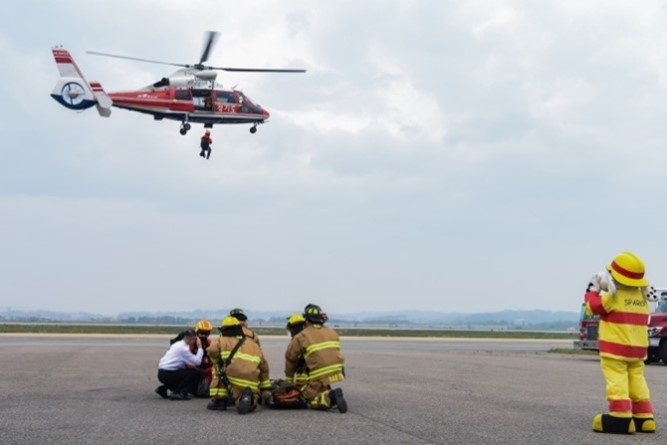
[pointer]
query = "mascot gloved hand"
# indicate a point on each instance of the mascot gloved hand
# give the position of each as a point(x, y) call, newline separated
point(594, 284)
point(605, 282)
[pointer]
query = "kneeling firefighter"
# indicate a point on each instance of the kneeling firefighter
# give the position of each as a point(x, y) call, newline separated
point(240, 370)
point(319, 347)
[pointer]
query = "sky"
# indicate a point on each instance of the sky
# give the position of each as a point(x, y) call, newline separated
point(445, 155)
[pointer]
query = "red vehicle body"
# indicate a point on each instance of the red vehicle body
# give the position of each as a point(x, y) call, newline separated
point(657, 330)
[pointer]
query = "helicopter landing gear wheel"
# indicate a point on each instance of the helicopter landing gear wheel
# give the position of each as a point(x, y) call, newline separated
point(184, 128)
point(253, 129)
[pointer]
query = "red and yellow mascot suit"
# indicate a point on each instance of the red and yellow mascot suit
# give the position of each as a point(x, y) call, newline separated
point(624, 312)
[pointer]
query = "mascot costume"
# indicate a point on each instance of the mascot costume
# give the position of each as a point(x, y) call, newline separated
point(624, 312)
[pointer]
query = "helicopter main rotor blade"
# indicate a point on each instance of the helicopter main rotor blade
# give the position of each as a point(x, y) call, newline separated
point(211, 37)
point(96, 53)
point(256, 70)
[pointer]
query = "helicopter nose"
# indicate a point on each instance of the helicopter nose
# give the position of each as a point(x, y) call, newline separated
point(265, 113)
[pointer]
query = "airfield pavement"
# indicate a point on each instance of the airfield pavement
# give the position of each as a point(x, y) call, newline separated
point(99, 390)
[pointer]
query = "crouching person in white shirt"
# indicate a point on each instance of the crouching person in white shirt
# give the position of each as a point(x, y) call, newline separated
point(177, 369)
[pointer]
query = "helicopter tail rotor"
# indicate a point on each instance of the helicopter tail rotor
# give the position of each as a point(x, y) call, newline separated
point(73, 91)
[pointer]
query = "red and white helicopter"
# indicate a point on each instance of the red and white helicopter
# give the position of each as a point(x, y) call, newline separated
point(190, 95)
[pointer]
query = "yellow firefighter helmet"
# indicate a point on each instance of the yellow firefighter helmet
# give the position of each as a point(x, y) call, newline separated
point(295, 319)
point(229, 322)
point(204, 326)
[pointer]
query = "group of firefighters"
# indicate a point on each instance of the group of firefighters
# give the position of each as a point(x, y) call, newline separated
point(233, 371)
point(239, 373)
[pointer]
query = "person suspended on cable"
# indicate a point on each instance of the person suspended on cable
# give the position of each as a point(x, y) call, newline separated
point(205, 145)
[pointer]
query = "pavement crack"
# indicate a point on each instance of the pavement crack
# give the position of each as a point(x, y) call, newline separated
point(394, 428)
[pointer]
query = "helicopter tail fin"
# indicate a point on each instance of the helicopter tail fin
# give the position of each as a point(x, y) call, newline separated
point(73, 91)
point(103, 100)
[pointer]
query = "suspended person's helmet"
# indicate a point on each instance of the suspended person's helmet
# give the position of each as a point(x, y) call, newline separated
point(295, 324)
point(203, 327)
point(313, 313)
point(238, 314)
point(230, 327)
point(628, 269)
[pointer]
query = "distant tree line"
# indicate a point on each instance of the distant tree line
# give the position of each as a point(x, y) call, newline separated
point(559, 325)
point(162, 319)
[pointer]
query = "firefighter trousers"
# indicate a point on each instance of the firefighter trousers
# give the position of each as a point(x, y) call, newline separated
point(316, 391)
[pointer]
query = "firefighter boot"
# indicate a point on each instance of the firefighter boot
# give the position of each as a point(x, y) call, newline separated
point(337, 399)
point(645, 424)
point(245, 403)
point(606, 423)
point(217, 404)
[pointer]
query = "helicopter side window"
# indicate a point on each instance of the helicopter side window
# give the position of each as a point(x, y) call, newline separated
point(225, 97)
point(202, 99)
point(201, 93)
point(182, 95)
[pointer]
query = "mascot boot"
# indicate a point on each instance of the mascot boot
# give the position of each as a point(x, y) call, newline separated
point(606, 423)
point(645, 424)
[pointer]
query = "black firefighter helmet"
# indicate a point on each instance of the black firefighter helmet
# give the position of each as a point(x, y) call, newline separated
point(238, 314)
point(313, 313)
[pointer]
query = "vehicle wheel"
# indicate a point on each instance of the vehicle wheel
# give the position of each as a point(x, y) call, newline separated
point(253, 130)
point(183, 131)
point(187, 127)
point(662, 352)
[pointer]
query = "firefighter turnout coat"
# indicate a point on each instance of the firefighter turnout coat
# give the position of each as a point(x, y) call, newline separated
point(247, 369)
point(319, 347)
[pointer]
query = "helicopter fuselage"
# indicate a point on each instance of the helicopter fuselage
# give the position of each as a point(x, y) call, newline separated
point(196, 105)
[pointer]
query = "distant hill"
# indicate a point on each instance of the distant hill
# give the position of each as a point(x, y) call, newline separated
point(535, 319)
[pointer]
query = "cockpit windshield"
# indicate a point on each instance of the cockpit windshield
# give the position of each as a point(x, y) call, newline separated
point(246, 100)
point(247, 104)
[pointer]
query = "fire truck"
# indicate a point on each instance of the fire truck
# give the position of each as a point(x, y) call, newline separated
point(657, 330)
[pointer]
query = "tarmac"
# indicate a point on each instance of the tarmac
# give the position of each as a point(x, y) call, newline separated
point(75, 389)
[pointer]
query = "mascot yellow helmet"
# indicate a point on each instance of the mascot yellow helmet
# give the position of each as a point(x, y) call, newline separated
point(628, 269)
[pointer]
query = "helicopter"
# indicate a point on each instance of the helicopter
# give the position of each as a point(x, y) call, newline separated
point(189, 95)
